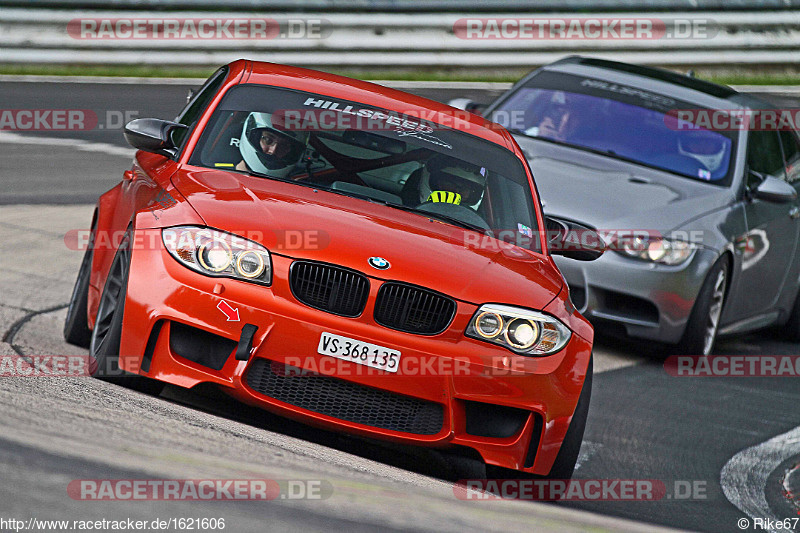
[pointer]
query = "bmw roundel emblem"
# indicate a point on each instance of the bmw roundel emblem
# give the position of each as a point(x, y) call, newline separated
point(379, 262)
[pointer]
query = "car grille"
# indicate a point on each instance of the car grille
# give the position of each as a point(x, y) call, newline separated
point(413, 309)
point(345, 400)
point(329, 288)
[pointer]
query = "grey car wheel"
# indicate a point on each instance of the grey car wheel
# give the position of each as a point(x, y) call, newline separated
point(703, 325)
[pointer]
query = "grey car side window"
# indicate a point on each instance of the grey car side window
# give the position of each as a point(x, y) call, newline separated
point(764, 156)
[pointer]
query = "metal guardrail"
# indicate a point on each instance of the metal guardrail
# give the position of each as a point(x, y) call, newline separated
point(415, 6)
point(403, 40)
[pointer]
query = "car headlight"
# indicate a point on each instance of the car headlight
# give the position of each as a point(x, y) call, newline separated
point(520, 330)
point(216, 253)
point(655, 249)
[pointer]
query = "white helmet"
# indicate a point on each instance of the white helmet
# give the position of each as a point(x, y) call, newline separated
point(444, 173)
point(706, 147)
point(276, 158)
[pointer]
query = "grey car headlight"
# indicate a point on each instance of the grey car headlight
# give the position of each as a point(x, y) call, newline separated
point(520, 330)
point(655, 249)
point(218, 254)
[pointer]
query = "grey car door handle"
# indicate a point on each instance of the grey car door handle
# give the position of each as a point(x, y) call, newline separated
point(794, 213)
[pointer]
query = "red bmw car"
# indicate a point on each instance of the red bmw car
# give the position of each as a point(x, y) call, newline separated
point(346, 255)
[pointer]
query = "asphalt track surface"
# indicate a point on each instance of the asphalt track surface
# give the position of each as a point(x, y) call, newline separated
point(733, 439)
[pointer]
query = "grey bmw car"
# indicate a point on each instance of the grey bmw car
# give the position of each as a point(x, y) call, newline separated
point(700, 211)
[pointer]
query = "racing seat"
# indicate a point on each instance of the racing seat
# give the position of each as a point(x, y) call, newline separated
point(221, 151)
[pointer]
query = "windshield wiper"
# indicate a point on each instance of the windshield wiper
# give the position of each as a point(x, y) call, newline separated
point(257, 174)
point(444, 218)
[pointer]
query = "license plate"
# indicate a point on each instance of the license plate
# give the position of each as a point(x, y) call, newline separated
point(363, 353)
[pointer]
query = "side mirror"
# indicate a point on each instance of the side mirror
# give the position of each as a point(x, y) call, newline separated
point(467, 105)
point(774, 190)
point(152, 135)
point(573, 240)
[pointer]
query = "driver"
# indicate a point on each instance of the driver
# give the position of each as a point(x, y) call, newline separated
point(268, 150)
point(453, 181)
point(704, 146)
point(557, 120)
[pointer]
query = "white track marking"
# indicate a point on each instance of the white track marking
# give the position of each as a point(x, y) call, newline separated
point(7, 137)
point(744, 477)
point(588, 449)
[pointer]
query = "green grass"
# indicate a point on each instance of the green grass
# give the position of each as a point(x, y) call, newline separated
point(500, 75)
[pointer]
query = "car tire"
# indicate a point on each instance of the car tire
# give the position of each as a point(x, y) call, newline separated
point(464, 466)
point(107, 333)
point(703, 324)
point(564, 465)
point(76, 325)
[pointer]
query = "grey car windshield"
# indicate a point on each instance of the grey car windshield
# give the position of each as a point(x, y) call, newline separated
point(619, 121)
point(374, 154)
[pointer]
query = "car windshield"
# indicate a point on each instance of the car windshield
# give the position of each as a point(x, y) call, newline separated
point(399, 160)
point(620, 121)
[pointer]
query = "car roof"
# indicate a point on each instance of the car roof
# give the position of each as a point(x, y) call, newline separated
point(660, 81)
point(375, 95)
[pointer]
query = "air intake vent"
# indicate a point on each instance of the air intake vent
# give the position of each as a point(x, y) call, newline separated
point(345, 400)
point(329, 288)
point(413, 309)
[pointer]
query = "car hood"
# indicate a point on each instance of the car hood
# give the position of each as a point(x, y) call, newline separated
point(610, 194)
point(348, 231)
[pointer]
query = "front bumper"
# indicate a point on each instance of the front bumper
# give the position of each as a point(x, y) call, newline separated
point(469, 382)
point(648, 300)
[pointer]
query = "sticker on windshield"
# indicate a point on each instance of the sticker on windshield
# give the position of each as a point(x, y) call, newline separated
point(633, 92)
point(525, 230)
point(704, 174)
point(327, 114)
